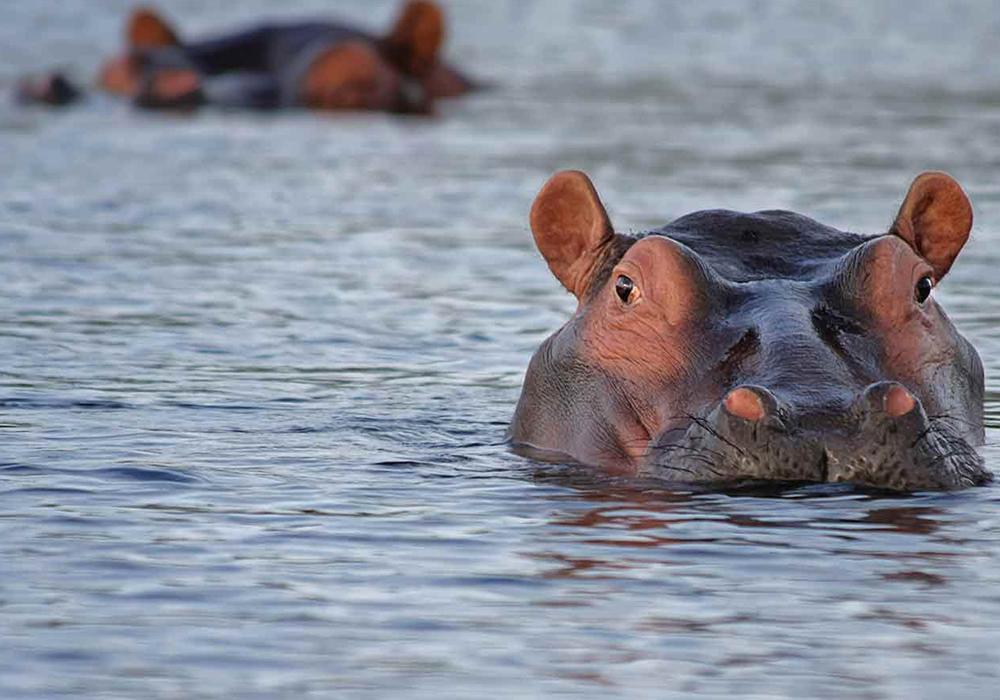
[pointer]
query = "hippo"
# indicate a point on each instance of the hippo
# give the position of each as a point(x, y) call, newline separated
point(314, 64)
point(730, 347)
point(53, 89)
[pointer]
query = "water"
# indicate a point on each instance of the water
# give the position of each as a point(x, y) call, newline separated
point(257, 370)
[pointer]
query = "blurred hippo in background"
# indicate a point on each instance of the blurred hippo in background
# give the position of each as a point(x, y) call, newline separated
point(728, 347)
point(313, 64)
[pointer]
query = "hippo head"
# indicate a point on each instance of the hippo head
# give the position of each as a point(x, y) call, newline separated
point(767, 346)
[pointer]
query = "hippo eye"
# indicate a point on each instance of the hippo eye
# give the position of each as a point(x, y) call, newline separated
point(923, 290)
point(624, 287)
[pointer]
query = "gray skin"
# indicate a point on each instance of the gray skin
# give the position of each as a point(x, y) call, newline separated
point(728, 347)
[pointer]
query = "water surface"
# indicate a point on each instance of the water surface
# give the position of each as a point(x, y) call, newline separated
point(257, 370)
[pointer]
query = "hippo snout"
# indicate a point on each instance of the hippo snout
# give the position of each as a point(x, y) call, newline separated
point(884, 439)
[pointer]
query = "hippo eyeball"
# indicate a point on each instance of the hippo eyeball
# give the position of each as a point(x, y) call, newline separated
point(624, 287)
point(923, 290)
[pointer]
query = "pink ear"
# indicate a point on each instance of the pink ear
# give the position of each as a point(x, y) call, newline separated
point(571, 229)
point(935, 219)
point(148, 30)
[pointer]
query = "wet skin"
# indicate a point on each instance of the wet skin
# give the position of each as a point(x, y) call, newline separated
point(313, 64)
point(728, 346)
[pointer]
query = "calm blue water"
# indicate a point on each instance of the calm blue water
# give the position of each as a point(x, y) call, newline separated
point(256, 371)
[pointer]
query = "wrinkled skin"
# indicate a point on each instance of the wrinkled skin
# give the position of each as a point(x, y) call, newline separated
point(727, 347)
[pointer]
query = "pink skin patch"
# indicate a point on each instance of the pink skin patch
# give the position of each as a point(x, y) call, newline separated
point(173, 84)
point(899, 402)
point(119, 75)
point(745, 404)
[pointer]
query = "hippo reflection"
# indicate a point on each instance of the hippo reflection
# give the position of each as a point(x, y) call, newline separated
point(729, 346)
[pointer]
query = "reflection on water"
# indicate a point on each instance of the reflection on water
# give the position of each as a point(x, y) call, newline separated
point(782, 580)
point(257, 371)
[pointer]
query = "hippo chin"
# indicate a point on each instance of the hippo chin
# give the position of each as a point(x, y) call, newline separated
point(767, 346)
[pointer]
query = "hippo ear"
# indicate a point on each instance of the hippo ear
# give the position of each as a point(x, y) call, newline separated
point(571, 228)
point(147, 30)
point(416, 37)
point(935, 219)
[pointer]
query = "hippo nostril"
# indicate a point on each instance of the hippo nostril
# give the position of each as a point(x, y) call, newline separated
point(889, 398)
point(899, 401)
point(745, 403)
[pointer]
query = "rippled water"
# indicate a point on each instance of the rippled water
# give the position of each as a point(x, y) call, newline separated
point(257, 370)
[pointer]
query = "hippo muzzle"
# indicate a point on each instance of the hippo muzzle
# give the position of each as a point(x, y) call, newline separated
point(885, 440)
point(730, 347)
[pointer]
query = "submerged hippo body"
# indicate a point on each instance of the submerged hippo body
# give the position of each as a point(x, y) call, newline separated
point(314, 64)
point(729, 346)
